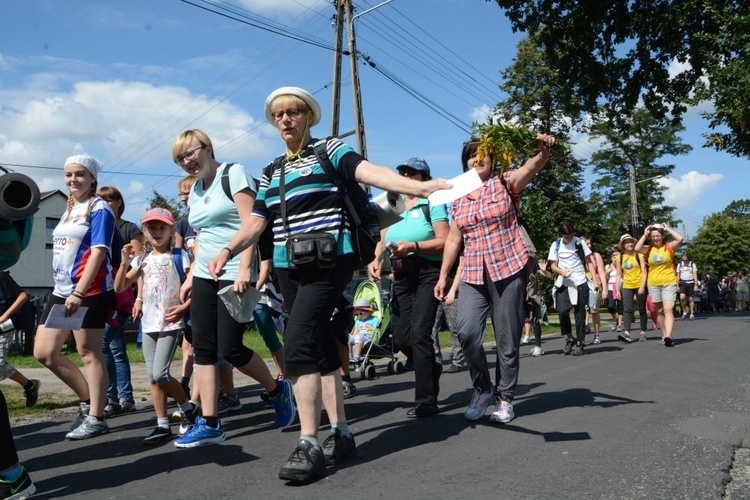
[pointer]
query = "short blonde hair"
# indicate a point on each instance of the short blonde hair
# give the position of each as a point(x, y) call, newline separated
point(187, 182)
point(292, 101)
point(182, 141)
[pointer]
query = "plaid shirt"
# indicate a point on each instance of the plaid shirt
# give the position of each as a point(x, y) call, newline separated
point(490, 231)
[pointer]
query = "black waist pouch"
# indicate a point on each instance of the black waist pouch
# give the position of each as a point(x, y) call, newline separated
point(310, 251)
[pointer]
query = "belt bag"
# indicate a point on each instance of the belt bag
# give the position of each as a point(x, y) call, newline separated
point(311, 251)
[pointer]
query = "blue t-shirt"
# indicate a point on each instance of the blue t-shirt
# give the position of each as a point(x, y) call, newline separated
point(415, 227)
point(215, 218)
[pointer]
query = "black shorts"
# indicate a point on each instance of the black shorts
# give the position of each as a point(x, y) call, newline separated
point(687, 288)
point(96, 317)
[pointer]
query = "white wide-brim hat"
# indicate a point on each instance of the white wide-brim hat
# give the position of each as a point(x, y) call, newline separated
point(296, 91)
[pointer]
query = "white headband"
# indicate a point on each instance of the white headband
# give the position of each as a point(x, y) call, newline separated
point(89, 162)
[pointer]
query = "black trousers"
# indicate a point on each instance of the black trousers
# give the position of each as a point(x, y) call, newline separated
point(413, 312)
point(8, 455)
point(564, 306)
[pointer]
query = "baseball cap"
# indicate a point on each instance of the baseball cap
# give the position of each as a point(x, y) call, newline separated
point(160, 214)
point(418, 164)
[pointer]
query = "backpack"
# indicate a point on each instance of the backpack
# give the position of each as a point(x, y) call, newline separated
point(177, 260)
point(579, 248)
point(637, 259)
point(117, 244)
point(362, 212)
point(265, 240)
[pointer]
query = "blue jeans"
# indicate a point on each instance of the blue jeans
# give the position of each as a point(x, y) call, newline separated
point(116, 361)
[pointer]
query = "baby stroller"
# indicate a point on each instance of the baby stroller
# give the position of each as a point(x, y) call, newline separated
point(381, 344)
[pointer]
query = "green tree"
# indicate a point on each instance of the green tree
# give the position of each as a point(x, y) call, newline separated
point(721, 244)
point(666, 54)
point(554, 194)
point(738, 210)
point(638, 140)
point(174, 205)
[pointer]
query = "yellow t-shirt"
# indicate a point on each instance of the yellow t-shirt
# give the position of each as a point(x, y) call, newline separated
point(631, 272)
point(660, 267)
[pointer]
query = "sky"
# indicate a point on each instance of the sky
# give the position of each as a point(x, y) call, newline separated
point(119, 80)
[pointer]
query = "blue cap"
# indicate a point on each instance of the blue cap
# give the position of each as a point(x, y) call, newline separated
point(417, 164)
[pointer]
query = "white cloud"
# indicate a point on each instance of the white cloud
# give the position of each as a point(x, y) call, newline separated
point(688, 190)
point(280, 7)
point(480, 114)
point(136, 186)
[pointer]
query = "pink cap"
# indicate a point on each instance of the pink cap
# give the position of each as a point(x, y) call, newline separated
point(160, 214)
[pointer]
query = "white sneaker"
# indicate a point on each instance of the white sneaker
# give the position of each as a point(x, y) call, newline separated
point(537, 351)
point(684, 316)
point(90, 427)
point(503, 413)
point(479, 403)
point(692, 317)
point(525, 340)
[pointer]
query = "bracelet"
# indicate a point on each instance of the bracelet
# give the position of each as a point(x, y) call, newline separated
point(231, 253)
point(78, 294)
point(416, 247)
point(138, 299)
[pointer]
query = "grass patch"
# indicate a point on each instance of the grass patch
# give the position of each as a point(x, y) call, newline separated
point(17, 402)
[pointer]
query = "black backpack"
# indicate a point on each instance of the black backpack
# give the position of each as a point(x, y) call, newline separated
point(362, 212)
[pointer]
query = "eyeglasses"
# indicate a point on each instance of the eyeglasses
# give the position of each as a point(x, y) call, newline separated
point(188, 155)
point(291, 113)
point(409, 171)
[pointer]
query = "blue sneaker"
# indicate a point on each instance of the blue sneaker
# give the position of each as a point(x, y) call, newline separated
point(201, 434)
point(284, 405)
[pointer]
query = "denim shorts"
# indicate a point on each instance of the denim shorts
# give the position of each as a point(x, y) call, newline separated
point(662, 293)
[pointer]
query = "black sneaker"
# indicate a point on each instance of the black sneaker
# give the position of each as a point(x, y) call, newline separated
point(188, 418)
point(349, 389)
point(22, 487)
point(568, 346)
point(32, 394)
point(338, 447)
point(578, 350)
point(305, 464)
point(158, 436)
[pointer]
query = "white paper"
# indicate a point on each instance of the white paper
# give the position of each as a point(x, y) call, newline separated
point(241, 307)
point(57, 320)
point(462, 185)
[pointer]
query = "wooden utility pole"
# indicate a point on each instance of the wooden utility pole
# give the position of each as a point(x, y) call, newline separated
point(337, 54)
point(633, 201)
point(359, 120)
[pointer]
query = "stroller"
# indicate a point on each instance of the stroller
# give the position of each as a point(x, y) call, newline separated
point(381, 344)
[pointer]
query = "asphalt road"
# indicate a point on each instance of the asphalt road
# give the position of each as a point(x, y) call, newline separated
point(623, 421)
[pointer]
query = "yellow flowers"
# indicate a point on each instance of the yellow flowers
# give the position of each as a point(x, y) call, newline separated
point(502, 142)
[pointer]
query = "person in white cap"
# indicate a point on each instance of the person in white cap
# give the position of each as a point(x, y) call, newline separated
point(312, 207)
point(631, 279)
point(662, 274)
point(83, 278)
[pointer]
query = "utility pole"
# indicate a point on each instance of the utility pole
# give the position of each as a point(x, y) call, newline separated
point(359, 120)
point(337, 54)
point(633, 201)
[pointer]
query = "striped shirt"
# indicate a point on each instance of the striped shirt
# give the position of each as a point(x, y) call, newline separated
point(490, 231)
point(312, 201)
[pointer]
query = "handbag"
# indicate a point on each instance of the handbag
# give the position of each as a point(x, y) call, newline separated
point(306, 251)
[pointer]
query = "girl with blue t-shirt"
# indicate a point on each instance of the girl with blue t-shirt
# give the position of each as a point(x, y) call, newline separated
point(83, 278)
point(162, 314)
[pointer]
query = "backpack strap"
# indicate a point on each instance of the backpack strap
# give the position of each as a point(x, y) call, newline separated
point(225, 181)
point(177, 259)
point(321, 153)
point(426, 212)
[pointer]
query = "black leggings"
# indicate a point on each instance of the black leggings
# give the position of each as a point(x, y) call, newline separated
point(214, 329)
point(310, 344)
point(628, 294)
point(8, 455)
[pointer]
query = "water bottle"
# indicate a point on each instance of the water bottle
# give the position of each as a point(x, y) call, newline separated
point(6, 325)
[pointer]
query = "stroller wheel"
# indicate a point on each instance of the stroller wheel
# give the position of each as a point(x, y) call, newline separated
point(398, 367)
point(391, 369)
point(369, 372)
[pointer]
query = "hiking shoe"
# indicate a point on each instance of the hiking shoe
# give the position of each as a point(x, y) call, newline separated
point(597, 340)
point(624, 337)
point(642, 337)
point(668, 341)
point(568, 346)
point(112, 408)
point(537, 351)
point(229, 403)
point(126, 407)
point(201, 434)
point(90, 427)
point(578, 350)
point(83, 412)
point(479, 403)
point(454, 368)
point(20, 488)
point(188, 419)
point(305, 464)
point(32, 394)
point(158, 436)
point(283, 404)
point(348, 388)
point(503, 413)
point(338, 447)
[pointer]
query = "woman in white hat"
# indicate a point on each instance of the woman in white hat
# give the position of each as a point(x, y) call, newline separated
point(83, 278)
point(662, 274)
point(631, 280)
point(311, 206)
